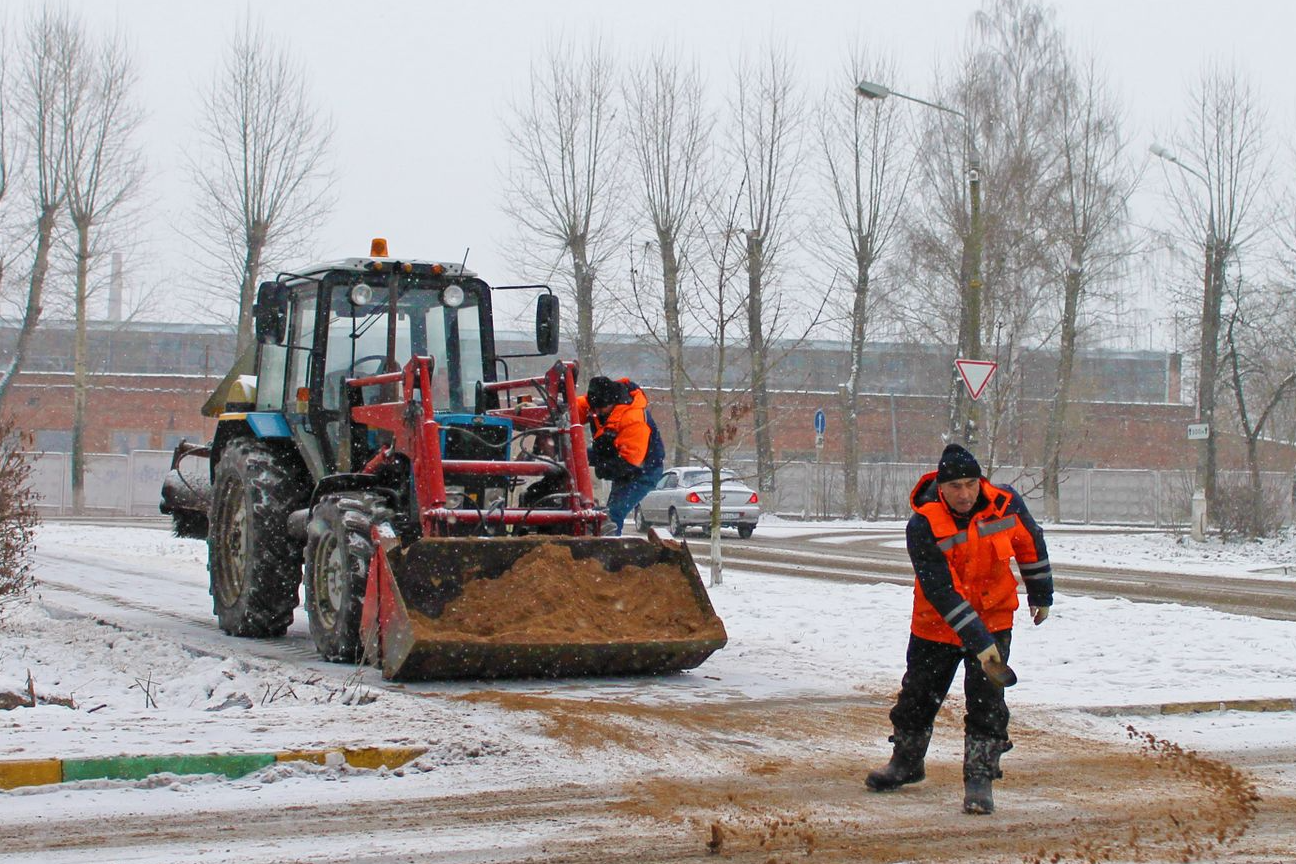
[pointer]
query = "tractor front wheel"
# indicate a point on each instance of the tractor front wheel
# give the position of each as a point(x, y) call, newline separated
point(339, 546)
point(254, 565)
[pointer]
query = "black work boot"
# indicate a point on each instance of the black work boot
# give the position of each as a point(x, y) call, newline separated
point(906, 765)
point(980, 770)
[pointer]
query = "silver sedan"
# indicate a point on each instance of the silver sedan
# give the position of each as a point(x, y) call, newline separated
point(682, 500)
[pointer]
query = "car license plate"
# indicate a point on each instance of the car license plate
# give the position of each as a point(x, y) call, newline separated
point(729, 514)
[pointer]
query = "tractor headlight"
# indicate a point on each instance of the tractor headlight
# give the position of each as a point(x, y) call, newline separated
point(360, 294)
point(452, 296)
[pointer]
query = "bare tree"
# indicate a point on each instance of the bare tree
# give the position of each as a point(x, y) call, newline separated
point(766, 118)
point(103, 169)
point(37, 101)
point(868, 173)
point(563, 184)
point(1225, 169)
point(261, 170)
point(1090, 240)
point(668, 130)
point(1261, 363)
point(721, 304)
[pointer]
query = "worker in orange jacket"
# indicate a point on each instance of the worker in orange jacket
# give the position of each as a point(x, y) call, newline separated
point(963, 532)
point(627, 448)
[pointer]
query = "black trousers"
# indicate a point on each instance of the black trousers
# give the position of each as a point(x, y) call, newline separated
point(927, 679)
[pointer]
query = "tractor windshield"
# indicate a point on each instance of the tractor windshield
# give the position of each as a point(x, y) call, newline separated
point(425, 325)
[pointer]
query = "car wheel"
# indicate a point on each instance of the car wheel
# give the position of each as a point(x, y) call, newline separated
point(745, 531)
point(673, 523)
point(640, 523)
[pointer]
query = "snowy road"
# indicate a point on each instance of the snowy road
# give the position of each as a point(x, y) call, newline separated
point(761, 750)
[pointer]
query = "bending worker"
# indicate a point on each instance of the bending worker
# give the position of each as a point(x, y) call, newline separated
point(960, 537)
point(627, 448)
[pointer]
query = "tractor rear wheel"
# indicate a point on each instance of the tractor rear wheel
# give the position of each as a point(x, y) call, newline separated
point(254, 565)
point(339, 547)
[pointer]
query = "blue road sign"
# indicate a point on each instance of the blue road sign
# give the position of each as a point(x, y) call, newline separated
point(821, 422)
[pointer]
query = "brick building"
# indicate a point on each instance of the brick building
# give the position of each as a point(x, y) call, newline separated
point(148, 382)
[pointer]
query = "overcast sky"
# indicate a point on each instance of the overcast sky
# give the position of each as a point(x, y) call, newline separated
point(420, 90)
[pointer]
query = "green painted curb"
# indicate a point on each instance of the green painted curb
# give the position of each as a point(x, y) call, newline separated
point(43, 772)
point(139, 767)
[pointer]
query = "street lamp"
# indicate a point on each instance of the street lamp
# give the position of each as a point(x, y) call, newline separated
point(963, 419)
point(1212, 299)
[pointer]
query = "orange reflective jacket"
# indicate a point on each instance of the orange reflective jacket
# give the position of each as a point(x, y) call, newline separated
point(977, 558)
point(632, 424)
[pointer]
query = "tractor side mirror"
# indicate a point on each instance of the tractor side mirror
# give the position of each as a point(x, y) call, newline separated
point(271, 313)
point(547, 324)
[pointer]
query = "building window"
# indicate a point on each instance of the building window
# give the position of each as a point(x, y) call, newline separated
point(172, 439)
point(54, 440)
point(125, 442)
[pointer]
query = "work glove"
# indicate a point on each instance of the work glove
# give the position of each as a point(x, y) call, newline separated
point(1038, 614)
point(989, 654)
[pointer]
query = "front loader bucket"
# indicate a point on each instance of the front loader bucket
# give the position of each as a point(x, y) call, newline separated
point(541, 606)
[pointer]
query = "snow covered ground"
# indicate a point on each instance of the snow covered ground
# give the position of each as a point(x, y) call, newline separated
point(164, 680)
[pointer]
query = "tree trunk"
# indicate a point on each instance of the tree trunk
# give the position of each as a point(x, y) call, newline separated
point(850, 397)
point(756, 341)
point(1210, 329)
point(1056, 432)
point(79, 369)
point(584, 279)
point(674, 346)
point(40, 267)
point(256, 241)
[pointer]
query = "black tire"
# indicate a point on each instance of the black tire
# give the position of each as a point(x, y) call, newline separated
point(189, 523)
point(673, 524)
point(338, 550)
point(640, 523)
point(745, 531)
point(255, 567)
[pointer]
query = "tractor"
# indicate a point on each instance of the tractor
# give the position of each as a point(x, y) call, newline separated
point(373, 447)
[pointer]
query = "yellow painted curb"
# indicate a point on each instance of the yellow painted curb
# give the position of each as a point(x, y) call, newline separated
point(364, 757)
point(30, 772)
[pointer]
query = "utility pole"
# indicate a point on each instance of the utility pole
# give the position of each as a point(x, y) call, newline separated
point(964, 415)
point(1208, 364)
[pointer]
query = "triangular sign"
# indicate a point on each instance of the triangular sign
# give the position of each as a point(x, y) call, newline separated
point(976, 374)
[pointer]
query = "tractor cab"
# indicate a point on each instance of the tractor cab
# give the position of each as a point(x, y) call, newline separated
point(360, 317)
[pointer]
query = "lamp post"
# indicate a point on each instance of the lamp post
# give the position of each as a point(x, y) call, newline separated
point(963, 418)
point(1208, 364)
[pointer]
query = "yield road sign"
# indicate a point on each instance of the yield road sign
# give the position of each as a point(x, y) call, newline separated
point(976, 374)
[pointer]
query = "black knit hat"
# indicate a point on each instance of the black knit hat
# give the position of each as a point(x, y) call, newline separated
point(603, 392)
point(956, 463)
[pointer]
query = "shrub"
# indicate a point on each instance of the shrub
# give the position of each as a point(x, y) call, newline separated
point(18, 516)
point(1237, 512)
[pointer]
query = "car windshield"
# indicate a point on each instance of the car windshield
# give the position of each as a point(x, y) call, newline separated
point(697, 478)
point(357, 341)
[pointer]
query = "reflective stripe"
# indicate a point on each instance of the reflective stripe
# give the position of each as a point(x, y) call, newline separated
point(950, 542)
point(971, 616)
point(985, 529)
point(1037, 577)
point(1033, 567)
point(956, 611)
